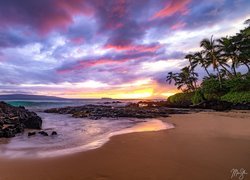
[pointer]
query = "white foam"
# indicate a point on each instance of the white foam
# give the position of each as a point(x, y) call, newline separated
point(151, 125)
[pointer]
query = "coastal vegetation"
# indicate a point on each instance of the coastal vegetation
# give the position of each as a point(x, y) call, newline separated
point(225, 65)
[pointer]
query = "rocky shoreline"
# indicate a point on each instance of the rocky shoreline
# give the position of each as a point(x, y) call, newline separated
point(144, 109)
point(129, 111)
point(14, 120)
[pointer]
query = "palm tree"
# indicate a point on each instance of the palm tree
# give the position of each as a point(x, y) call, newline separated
point(212, 54)
point(171, 76)
point(243, 45)
point(175, 77)
point(186, 78)
point(209, 49)
point(189, 77)
point(228, 51)
point(199, 58)
point(191, 60)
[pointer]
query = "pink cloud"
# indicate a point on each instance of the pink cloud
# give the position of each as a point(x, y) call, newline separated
point(64, 17)
point(75, 7)
point(58, 22)
point(87, 64)
point(84, 64)
point(42, 16)
point(172, 8)
point(178, 25)
point(139, 48)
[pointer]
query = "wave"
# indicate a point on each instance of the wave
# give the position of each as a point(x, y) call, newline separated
point(74, 135)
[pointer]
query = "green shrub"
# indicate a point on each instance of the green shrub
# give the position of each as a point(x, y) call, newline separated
point(181, 99)
point(212, 89)
point(197, 97)
point(211, 85)
point(237, 97)
point(238, 83)
point(235, 90)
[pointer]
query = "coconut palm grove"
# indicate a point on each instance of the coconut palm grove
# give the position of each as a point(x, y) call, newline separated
point(222, 61)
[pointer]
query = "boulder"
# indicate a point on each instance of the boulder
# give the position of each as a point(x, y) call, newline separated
point(1, 124)
point(54, 133)
point(19, 128)
point(9, 132)
point(14, 120)
point(1, 133)
point(43, 133)
point(32, 121)
point(31, 133)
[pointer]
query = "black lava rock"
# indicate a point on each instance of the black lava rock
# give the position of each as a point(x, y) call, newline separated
point(215, 105)
point(43, 133)
point(31, 133)
point(54, 133)
point(14, 120)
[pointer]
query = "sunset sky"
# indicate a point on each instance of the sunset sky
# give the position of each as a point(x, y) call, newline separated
point(106, 48)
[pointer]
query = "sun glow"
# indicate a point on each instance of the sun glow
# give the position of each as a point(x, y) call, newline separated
point(144, 88)
point(167, 94)
point(140, 94)
point(115, 94)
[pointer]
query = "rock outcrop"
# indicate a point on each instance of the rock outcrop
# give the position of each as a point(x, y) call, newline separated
point(14, 120)
point(132, 111)
point(215, 105)
point(242, 106)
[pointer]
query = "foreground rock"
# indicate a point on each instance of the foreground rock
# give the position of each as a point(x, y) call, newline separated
point(43, 133)
point(54, 133)
point(132, 111)
point(14, 120)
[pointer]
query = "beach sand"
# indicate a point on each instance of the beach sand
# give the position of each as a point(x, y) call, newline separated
point(205, 145)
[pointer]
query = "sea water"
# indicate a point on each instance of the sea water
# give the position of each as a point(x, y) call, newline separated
point(74, 134)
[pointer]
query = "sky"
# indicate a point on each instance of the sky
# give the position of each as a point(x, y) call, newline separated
point(106, 48)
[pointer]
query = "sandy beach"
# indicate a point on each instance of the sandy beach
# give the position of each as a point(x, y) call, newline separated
point(205, 145)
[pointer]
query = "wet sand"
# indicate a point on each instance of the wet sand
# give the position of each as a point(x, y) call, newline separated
point(204, 145)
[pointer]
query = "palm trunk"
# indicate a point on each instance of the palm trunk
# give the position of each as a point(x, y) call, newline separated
point(207, 72)
point(234, 69)
point(225, 69)
point(219, 76)
point(194, 86)
point(190, 85)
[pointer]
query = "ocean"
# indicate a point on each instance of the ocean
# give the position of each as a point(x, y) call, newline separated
point(74, 134)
